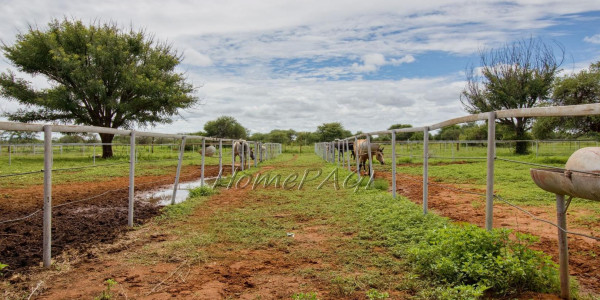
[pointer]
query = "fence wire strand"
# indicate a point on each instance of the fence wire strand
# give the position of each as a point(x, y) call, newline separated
point(510, 204)
point(90, 198)
point(546, 166)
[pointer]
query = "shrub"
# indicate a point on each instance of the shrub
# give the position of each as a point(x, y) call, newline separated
point(469, 255)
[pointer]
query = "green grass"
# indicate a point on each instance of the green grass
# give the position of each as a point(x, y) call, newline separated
point(512, 181)
point(162, 161)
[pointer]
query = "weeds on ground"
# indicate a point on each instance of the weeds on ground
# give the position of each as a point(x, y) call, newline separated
point(107, 293)
point(2, 266)
point(374, 294)
point(305, 296)
point(202, 191)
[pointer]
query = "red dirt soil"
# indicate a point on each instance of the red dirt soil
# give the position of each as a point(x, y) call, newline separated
point(584, 253)
point(80, 225)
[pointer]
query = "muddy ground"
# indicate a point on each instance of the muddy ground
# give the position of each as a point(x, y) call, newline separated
point(83, 215)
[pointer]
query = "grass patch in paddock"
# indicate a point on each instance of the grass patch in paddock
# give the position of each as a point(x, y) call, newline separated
point(512, 181)
point(148, 164)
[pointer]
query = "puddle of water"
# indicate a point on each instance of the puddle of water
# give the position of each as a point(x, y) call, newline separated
point(163, 195)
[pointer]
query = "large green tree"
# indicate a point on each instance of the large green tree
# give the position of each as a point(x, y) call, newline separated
point(517, 75)
point(99, 74)
point(580, 88)
point(328, 132)
point(225, 127)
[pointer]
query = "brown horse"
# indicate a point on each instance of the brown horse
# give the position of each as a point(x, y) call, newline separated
point(363, 154)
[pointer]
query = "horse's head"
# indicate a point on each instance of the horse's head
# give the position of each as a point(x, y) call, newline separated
point(379, 155)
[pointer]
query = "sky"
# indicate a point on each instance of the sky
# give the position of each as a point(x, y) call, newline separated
point(277, 64)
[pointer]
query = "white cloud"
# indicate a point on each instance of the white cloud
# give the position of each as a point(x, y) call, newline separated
point(594, 39)
point(267, 63)
point(263, 105)
point(195, 58)
point(373, 61)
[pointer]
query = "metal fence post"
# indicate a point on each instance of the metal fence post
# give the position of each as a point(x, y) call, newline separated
point(178, 169)
point(491, 155)
point(357, 152)
point(10, 155)
point(425, 168)
point(131, 178)
point(232, 157)
point(220, 156)
point(202, 166)
point(47, 228)
point(563, 249)
point(348, 155)
point(371, 171)
point(242, 161)
point(338, 153)
point(393, 164)
point(255, 154)
point(94, 154)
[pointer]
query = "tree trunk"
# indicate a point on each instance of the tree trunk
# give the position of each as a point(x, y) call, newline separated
point(106, 149)
point(521, 146)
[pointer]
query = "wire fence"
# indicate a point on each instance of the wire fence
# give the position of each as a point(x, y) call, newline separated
point(370, 146)
point(48, 158)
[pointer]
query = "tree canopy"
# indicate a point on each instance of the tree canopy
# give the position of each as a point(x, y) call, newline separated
point(330, 131)
point(225, 127)
point(580, 88)
point(99, 74)
point(517, 75)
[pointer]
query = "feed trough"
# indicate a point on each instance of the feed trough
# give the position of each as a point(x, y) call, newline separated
point(579, 179)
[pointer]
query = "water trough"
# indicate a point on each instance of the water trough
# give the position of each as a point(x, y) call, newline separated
point(579, 179)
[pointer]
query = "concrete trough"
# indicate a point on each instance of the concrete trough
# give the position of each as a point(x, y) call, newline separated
point(579, 179)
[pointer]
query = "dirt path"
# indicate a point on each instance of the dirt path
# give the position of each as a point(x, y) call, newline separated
point(174, 260)
point(584, 253)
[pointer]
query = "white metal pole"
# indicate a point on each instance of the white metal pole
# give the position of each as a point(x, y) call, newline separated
point(348, 155)
point(220, 156)
point(371, 171)
point(563, 249)
point(47, 228)
point(338, 153)
point(357, 152)
point(255, 154)
point(425, 168)
point(202, 163)
point(491, 155)
point(10, 155)
point(94, 154)
point(242, 161)
point(394, 164)
point(232, 158)
point(175, 186)
point(131, 178)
